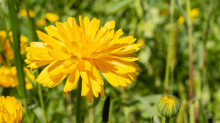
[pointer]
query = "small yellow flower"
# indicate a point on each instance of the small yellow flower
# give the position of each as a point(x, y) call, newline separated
point(9, 77)
point(181, 20)
point(41, 22)
point(141, 41)
point(23, 44)
point(74, 51)
point(23, 13)
point(168, 106)
point(194, 13)
point(3, 35)
point(52, 17)
point(10, 110)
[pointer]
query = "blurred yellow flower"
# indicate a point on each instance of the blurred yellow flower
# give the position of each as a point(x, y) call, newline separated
point(9, 77)
point(52, 17)
point(41, 22)
point(10, 110)
point(7, 46)
point(74, 51)
point(181, 20)
point(193, 13)
point(141, 41)
point(23, 13)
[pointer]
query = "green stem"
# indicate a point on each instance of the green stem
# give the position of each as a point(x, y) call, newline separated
point(16, 50)
point(42, 103)
point(167, 120)
point(190, 51)
point(78, 102)
point(166, 84)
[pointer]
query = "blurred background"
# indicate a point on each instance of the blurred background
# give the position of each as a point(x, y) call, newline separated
point(165, 42)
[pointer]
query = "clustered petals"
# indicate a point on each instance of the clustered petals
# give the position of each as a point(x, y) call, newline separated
point(10, 110)
point(84, 51)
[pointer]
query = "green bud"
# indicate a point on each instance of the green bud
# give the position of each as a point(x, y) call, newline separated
point(168, 106)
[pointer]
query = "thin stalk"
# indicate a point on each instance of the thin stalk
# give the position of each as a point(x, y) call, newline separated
point(78, 102)
point(166, 84)
point(42, 102)
point(17, 57)
point(191, 113)
point(167, 120)
point(190, 51)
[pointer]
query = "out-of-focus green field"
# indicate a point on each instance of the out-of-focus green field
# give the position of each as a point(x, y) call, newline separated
point(151, 22)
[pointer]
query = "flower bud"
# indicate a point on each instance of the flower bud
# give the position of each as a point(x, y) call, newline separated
point(168, 106)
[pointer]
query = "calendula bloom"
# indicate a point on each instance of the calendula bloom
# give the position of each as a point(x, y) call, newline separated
point(23, 13)
point(193, 13)
point(52, 17)
point(10, 110)
point(75, 51)
point(168, 106)
point(7, 46)
point(9, 77)
point(41, 22)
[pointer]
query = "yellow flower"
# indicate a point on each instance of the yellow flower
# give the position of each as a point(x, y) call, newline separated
point(141, 41)
point(41, 22)
point(23, 13)
point(181, 20)
point(9, 77)
point(75, 51)
point(194, 13)
point(168, 106)
point(52, 17)
point(10, 110)
point(23, 44)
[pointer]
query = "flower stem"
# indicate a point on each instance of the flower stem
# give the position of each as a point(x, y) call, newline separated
point(42, 102)
point(167, 120)
point(78, 102)
point(17, 57)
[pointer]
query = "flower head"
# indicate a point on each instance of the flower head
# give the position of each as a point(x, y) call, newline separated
point(75, 51)
point(41, 22)
point(52, 17)
point(9, 77)
point(168, 106)
point(10, 110)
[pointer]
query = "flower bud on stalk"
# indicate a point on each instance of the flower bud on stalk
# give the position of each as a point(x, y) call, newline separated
point(168, 106)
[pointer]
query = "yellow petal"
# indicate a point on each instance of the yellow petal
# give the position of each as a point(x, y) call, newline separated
point(86, 22)
point(85, 88)
point(51, 41)
point(69, 68)
point(57, 55)
point(89, 96)
point(96, 73)
point(107, 74)
point(71, 81)
point(94, 27)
